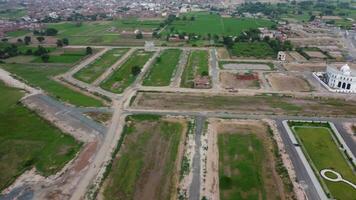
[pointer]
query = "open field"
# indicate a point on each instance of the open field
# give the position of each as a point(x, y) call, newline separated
point(315, 54)
point(263, 104)
point(285, 82)
point(233, 80)
point(146, 166)
point(91, 72)
point(163, 68)
point(206, 23)
point(324, 153)
point(28, 141)
point(253, 49)
point(40, 76)
point(241, 65)
point(197, 65)
point(62, 55)
point(120, 79)
point(247, 163)
point(311, 67)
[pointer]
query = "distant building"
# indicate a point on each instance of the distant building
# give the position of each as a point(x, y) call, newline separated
point(343, 79)
point(149, 46)
point(281, 56)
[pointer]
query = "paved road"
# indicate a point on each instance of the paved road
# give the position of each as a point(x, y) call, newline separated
point(194, 190)
point(180, 68)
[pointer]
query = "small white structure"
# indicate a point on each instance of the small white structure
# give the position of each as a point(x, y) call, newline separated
point(342, 79)
point(281, 56)
point(149, 46)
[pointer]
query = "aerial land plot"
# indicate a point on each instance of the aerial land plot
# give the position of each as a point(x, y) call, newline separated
point(91, 72)
point(248, 163)
point(239, 80)
point(67, 56)
point(324, 152)
point(253, 49)
point(28, 141)
point(245, 65)
point(197, 66)
point(40, 76)
point(163, 68)
point(146, 166)
point(267, 104)
point(123, 77)
point(285, 82)
point(205, 23)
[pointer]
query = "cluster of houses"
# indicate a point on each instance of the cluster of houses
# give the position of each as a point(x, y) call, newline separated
point(8, 26)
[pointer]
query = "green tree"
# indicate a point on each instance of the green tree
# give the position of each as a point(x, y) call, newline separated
point(51, 32)
point(59, 43)
point(136, 70)
point(139, 35)
point(27, 40)
point(89, 50)
point(45, 58)
point(65, 41)
point(40, 39)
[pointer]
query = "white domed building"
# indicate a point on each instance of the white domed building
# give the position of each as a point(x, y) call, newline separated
point(342, 79)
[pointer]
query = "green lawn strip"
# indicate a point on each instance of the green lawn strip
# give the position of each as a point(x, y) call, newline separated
point(242, 155)
point(126, 170)
point(162, 70)
point(323, 153)
point(40, 76)
point(91, 72)
point(253, 49)
point(26, 140)
point(197, 65)
point(120, 79)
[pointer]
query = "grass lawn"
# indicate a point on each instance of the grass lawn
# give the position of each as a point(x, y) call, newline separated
point(162, 70)
point(197, 65)
point(91, 72)
point(119, 80)
point(254, 49)
point(205, 23)
point(18, 33)
point(27, 141)
point(324, 153)
point(145, 167)
point(40, 76)
point(65, 56)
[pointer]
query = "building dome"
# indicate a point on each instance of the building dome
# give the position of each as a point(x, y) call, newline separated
point(345, 70)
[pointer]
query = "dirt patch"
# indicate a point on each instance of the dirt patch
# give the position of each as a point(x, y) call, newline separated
point(232, 80)
point(311, 67)
point(246, 66)
point(223, 53)
point(284, 82)
point(315, 54)
point(296, 56)
point(103, 118)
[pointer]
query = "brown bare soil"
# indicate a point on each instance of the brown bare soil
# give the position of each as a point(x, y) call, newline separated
point(296, 56)
point(284, 82)
point(262, 104)
point(311, 67)
point(231, 80)
point(223, 53)
point(315, 54)
point(273, 184)
point(100, 117)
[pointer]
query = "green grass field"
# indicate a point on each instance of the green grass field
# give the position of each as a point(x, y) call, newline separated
point(255, 49)
point(40, 76)
point(26, 140)
point(91, 72)
point(197, 65)
point(65, 56)
point(205, 23)
point(146, 164)
point(324, 153)
point(162, 70)
point(119, 80)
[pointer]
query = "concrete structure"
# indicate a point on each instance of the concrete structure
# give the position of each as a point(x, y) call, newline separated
point(342, 79)
point(281, 56)
point(149, 46)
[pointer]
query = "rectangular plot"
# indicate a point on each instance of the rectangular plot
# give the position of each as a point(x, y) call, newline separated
point(197, 65)
point(162, 70)
point(91, 72)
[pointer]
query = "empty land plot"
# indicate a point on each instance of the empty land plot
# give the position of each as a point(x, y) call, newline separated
point(295, 55)
point(324, 152)
point(197, 65)
point(267, 104)
point(311, 67)
point(40, 76)
point(28, 141)
point(91, 72)
point(163, 68)
point(285, 82)
point(146, 166)
point(233, 80)
point(66, 56)
point(123, 77)
point(247, 164)
point(246, 66)
point(315, 54)
point(253, 49)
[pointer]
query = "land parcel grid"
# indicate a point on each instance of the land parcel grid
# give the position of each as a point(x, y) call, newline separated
point(197, 66)
point(40, 75)
point(123, 77)
point(147, 164)
point(27, 141)
point(91, 72)
point(247, 162)
point(163, 68)
point(323, 151)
